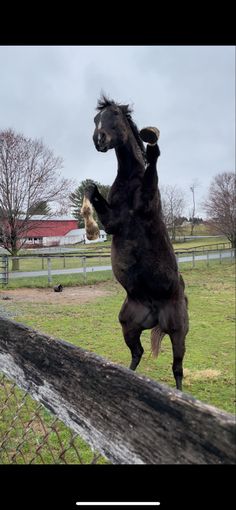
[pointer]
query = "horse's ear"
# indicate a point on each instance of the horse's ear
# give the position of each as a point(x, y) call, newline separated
point(125, 108)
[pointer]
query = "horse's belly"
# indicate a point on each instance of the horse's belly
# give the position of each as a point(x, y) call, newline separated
point(124, 267)
point(132, 275)
point(142, 277)
point(120, 269)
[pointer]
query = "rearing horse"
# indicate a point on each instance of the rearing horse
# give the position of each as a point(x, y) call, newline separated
point(143, 260)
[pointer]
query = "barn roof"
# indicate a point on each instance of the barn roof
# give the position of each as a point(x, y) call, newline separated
point(50, 228)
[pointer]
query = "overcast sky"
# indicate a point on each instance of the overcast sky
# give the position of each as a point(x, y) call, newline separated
point(188, 92)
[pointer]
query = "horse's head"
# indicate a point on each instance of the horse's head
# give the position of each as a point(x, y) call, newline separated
point(111, 126)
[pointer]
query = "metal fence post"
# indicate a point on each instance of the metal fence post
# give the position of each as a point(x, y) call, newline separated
point(49, 270)
point(193, 258)
point(84, 269)
point(220, 256)
point(207, 258)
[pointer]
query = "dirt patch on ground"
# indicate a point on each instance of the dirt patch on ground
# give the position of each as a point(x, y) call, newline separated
point(68, 295)
point(199, 375)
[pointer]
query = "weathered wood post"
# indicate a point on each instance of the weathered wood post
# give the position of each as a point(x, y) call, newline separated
point(126, 417)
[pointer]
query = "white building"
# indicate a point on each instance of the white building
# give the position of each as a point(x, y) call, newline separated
point(78, 235)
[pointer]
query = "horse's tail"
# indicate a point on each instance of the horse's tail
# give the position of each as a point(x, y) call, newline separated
point(156, 338)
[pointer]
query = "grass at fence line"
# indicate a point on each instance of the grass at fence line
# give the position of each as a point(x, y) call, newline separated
point(105, 245)
point(69, 280)
point(74, 260)
point(95, 276)
point(202, 265)
point(195, 243)
point(210, 346)
point(70, 261)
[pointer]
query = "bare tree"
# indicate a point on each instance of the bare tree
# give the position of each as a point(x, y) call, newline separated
point(193, 187)
point(28, 177)
point(173, 203)
point(220, 205)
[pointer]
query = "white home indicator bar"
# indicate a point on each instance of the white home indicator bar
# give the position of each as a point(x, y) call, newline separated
point(118, 503)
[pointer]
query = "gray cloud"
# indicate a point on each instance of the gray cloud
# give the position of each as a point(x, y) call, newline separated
point(51, 92)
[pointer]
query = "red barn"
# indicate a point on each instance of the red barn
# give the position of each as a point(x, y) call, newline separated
point(48, 232)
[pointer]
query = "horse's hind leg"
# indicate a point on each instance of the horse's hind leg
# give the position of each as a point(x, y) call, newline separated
point(178, 347)
point(134, 318)
point(132, 340)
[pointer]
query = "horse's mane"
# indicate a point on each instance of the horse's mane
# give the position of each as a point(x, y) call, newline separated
point(104, 102)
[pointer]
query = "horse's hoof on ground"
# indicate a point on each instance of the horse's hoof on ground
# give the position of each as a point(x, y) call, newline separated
point(150, 135)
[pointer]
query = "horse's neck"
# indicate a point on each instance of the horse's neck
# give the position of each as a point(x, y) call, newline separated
point(130, 159)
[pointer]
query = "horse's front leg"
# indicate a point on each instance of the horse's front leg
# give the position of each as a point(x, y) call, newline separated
point(103, 209)
point(150, 179)
point(91, 226)
point(149, 187)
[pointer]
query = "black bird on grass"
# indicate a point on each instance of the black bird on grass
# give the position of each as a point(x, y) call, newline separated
point(58, 288)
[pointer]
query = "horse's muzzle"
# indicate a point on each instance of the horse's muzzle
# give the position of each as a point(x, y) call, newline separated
point(101, 148)
point(101, 141)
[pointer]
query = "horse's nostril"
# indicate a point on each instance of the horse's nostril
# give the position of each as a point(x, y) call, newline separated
point(102, 138)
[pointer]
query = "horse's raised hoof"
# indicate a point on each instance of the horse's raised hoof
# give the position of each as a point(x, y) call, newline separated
point(150, 135)
point(90, 190)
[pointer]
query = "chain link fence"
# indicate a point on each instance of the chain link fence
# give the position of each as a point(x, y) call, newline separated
point(30, 434)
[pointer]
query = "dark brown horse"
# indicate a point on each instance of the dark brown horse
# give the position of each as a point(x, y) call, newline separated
point(143, 259)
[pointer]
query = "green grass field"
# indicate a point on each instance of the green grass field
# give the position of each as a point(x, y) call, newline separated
point(209, 364)
point(69, 280)
point(70, 261)
point(209, 359)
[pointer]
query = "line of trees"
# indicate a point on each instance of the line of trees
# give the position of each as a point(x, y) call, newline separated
point(220, 205)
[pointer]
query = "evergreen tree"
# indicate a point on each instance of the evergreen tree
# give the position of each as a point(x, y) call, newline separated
point(76, 199)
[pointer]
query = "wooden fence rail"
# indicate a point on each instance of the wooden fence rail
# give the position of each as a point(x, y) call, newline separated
point(126, 417)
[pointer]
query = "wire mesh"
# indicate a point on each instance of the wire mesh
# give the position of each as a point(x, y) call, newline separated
point(30, 434)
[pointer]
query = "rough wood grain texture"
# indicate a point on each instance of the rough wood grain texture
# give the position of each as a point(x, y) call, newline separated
point(128, 418)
